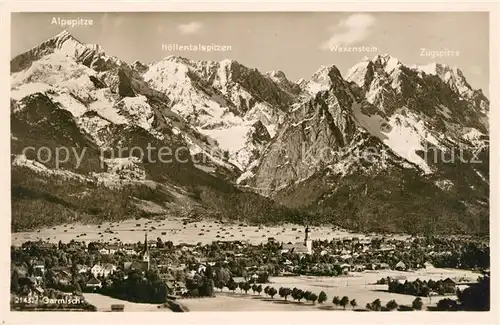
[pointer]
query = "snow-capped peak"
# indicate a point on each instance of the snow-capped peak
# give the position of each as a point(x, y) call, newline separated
point(322, 79)
point(65, 38)
point(387, 62)
point(326, 69)
point(278, 74)
point(279, 77)
point(435, 68)
point(326, 74)
point(139, 66)
point(451, 75)
point(227, 62)
point(58, 41)
point(65, 45)
point(177, 59)
point(383, 58)
point(381, 63)
point(65, 33)
point(357, 73)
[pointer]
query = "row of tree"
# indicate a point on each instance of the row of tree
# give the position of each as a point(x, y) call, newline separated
point(344, 302)
point(295, 293)
point(420, 288)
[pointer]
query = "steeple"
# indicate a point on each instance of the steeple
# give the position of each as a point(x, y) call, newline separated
point(308, 241)
point(146, 248)
point(145, 252)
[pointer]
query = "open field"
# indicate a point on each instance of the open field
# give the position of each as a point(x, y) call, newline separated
point(103, 303)
point(356, 286)
point(204, 231)
point(228, 301)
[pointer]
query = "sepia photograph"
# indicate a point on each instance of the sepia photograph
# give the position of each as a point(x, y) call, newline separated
point(250, 161)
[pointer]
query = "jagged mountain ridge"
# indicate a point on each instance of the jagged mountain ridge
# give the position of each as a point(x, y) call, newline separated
point(380, 109)
point(90, 55)
point(60, 98)
point(224, 100)
point(252, 128)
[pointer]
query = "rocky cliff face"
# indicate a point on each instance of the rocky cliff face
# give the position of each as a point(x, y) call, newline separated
point(223, 100)
point(314, 133)
point(385, 125)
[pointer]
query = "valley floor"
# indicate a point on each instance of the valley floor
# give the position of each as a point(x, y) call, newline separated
point(103, 303)
point(204, 231)
point(357, 286)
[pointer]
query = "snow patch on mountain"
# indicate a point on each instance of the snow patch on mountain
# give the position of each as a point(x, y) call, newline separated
point(126, 167)
point(200, 108)
point(357, 73)
point(474, 136)
point(249, 172)
point(104, 105)
point(409, 135)
point(303, 121)
point(137, 111)
point(211, 97)
point(444, 111)
point(315, 87)
point(235, 140)
point(23, 161)
point(22, 90)
point(320, 81)
point(404, 133)
point(212, 155)
point(51, 69)
point(444, 184)
point(68, 102)
point(62, 96)
point(391, 63)
point(481, 176)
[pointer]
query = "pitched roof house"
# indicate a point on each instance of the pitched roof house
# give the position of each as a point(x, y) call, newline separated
point(93, 283)
point(400, 266)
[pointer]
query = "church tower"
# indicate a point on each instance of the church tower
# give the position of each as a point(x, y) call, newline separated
point(145, 253)
point(308, 241)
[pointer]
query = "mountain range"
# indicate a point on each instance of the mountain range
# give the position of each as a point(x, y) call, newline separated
point(387, 147)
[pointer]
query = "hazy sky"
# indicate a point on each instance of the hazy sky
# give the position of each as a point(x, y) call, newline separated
point(296, 43)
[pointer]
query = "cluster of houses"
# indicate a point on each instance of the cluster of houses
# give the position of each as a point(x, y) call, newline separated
point(98, 271)
point(347, 255)
point(114, 248)
point(64, 275)
point(349, 250)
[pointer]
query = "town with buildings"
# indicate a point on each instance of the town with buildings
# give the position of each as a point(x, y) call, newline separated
point(156, 270)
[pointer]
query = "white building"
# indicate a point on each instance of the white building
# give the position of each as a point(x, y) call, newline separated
point(39, 269)
point(129, 251)
point(82, 268)
point(103, 270)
